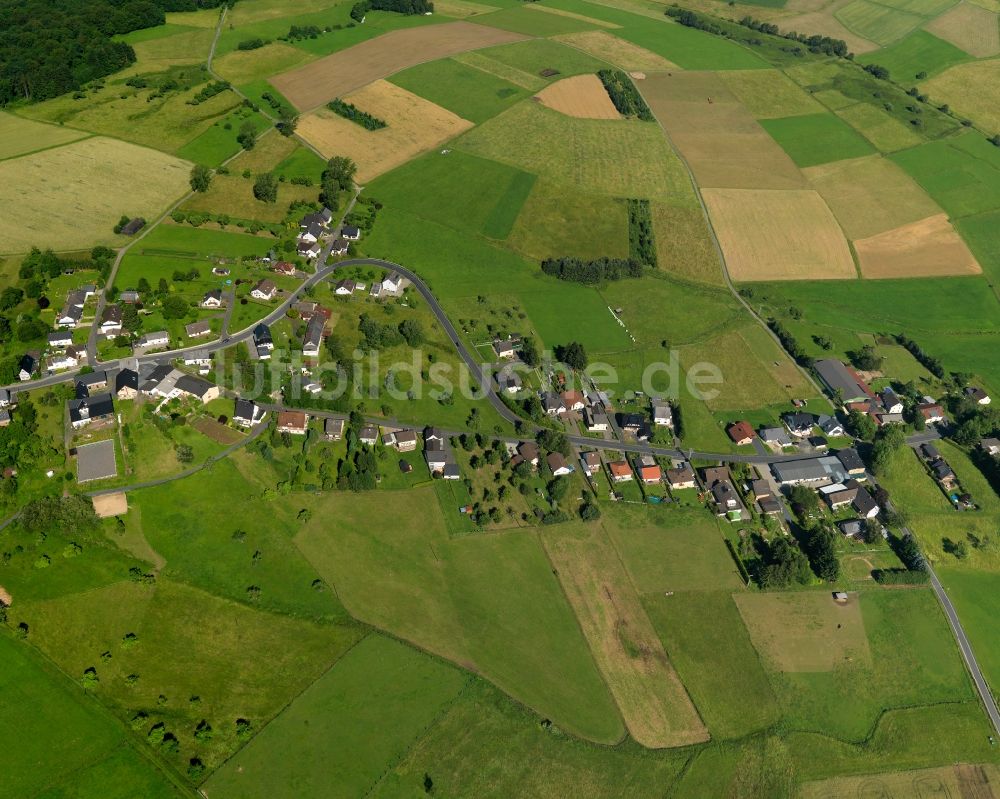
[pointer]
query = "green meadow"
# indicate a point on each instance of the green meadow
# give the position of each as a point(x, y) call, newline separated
point(817, 138)
point(919, 53)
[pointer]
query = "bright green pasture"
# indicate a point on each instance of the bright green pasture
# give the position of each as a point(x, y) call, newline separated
point(471, 194)
point(880, 23)
point(302, 163)
point(919, 52)
point(711, 650)
point(341, 735)
point(817, 138)
point(566, 312)
point(187, 241)
point(218, 143)
point(976, 595)
point(961, 174)
point(469, 92)
point(490, 602)
point(55, 742)
point(537, 55)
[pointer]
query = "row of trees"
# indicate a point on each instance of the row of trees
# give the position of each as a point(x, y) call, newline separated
point(355, 114)
point(407, 7)
point(624, 95)
point(591, 272)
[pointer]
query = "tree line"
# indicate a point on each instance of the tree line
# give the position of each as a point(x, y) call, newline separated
point(597, 271)
point(641, 239)
point(929, 362)
point(355, 114)
point(624, 95)
point(407, 7)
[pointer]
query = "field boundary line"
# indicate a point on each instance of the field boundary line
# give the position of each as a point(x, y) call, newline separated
point(88, 135)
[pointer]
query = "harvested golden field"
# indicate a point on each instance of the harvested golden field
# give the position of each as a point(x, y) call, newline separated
point(19, 136)
point(615, 51)
point(970, 28)
point(720, 139)
point(778, 235)
point(582, 96)
point(345, 71)
point(870, 195)
point(414, 126)
point(928, 248)
point(600, 23)
point(806, 630)
point(653, 701)
point(461, 9)
point(70, 197)
point(245, 66)
point(817, 16)
point(769, 94)
point(948, 782)
point(972, 90)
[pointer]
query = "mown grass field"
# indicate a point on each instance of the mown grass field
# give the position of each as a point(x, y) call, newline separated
point(218, 142)
point(817, 139)
point(20, 136)
point(488, 603)
point(73, 748)
point(73, 195)
point(884, 132)
point(971, 90)
point(919, 53)
point(769, 93)
point(355, 722)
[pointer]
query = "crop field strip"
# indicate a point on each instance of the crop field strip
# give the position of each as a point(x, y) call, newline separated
point(342, 73)
point(969, 27)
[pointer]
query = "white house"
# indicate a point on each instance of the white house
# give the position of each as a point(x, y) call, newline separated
point(247, 413)
point(160, 338)
point(111, 321)
point(264, 290)
point(663, 414)
point(212, 299)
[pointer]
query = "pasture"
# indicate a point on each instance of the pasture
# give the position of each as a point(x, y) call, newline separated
point(564, 312)
point(919, 53)
point(414, 126)
point(245, 66)
point(489, 603)
point(769, 93)
point(975, 595)
point(499, 69)
point(466, 91)
point(341, 73)
point(944, 781)
point(805, 632)
point(817, 139)
point(881, 24)
point(711, 650)
point(927, 248)
point(582, 96)
point(969, 27)
point(870, 195)
point(190, 644)
point(748, 222)
point(73, 195)
point(218, 142)
point(961, 174)
point(358, 720)
point(524, 21)
point(720, 139)
point(19, 136)
point(657, 711)
point(684, 245)
point(185, 241)
point(972, 90)
point(883, 131)
point(233, 195)
point(623, 54)
point(598, 156)
point(268, 152)
point(672, 551)
point(554, 223)
point(535, 57)
point(73, 747)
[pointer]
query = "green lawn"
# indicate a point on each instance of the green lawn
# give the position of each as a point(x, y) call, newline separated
point(976, 595)
point(920, 52)
point(302, 163)
point(55, 742)
point(471, 93)
point(340, 736)
point(188, 242)
point(711, 650)
point(817, 138)
point(490, 602)
point(218, 143)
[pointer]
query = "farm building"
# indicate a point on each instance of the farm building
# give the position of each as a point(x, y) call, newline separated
point(839, 378)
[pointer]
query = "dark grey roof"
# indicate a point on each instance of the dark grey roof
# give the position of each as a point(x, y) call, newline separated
point(193, 385)
point(262, 334)
point(126, 378)
point(314, 331)
point(836, 376)
point(864, 503)
point(451, 470)
point(244, 409)
point(850, 459)
point(351, 231)
point(799, 421)
point(93, 407)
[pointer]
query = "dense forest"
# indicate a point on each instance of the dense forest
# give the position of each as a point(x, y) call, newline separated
point(50, 47)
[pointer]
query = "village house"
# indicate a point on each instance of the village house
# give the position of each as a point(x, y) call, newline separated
point(838, 495)
point(621, 472)
point(321, 218)
point(368, 435)
point(161, 382)
point(436, 454)
point(842, 381)
point(247, 413)
point(991, 446)
point(313, 338)
point(865, 505)
point(931, 411)
point(127, 384)
point(509, 381)
point(198, 329)
point(111, 321)
point(340, 247)
point(283, 268)
point(401, 440)
point(741, 433)
point(681, 476)
point(212, 299)
point(528, 451)
point(506, 348)
point(775, 437)
point(311, 234)
point(393, 285)
point(663, 415)
point(557, 464)
point(27, 366)
point(72, 312)
point(69, 358)
point(295, 423)
point(650, 474)
point(191, 386)
point(451, 471)
point(552, 404)
point(591, 462)
point(86, 410)
point(159, 338)
point(977, 395)
point(350, 232)
point(830, 426)
point(129, 297)
point(333, 429)
point(60, 339)
point(345, 287)
point(85, 385)
point(596, 420)
point(5, 398)
point(891, 402)
point(264, 290)
point(852, 463)
point(262, 341)
point(309, 249)
point(573, 400)
point(799, 425)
